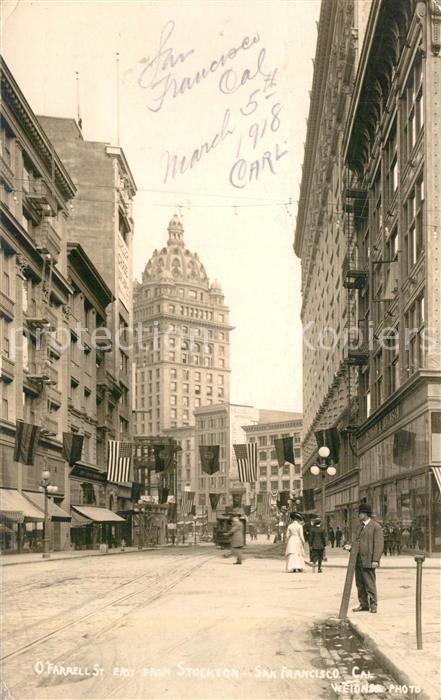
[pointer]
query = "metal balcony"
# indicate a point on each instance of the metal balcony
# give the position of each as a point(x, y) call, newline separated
point(47, 239)
point(41, 197)
point(355, 272)
point(50, 427)
point(356, 354)
point(102, 340)
point(6, 306)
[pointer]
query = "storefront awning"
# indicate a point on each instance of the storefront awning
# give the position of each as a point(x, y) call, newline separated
point(14, 506)
point(437, 474)
point(56, 513)
point(98, 515)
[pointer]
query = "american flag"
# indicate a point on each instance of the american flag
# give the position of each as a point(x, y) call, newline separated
point(119, 459)
point(187, 502)
point(246, 456)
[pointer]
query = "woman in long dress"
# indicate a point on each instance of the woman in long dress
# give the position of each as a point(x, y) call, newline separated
point(295, 546)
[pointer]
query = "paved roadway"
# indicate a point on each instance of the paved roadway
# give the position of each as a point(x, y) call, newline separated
point(155, 625)
point(181, 623)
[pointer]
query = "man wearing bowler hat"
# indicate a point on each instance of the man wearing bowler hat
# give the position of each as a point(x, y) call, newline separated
point(370, 548)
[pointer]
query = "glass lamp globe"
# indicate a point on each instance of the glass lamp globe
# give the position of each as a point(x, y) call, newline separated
point(315, 470)
point(45, 474)
point(331, 471)
point(324, 452)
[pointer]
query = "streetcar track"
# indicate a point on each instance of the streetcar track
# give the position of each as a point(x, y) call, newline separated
point(26, 647)
point(153, 578)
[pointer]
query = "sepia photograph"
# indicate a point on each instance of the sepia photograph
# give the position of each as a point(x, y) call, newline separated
point(220, 345)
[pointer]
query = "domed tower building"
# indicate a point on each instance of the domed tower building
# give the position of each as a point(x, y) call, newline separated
point(182, 353)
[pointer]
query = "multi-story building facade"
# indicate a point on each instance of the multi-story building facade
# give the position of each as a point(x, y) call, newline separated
point(55, 369)
point(220, 424)
point(35, 199)
point(182, 346)
point(392, 148)
point(101, 221)
point(330, 386)
point(270, 426)
point(86, 400)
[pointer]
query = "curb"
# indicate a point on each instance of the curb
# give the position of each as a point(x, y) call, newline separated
point(395, 671)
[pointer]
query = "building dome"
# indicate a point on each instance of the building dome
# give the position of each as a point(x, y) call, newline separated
point(216, 287)
point(175, 263)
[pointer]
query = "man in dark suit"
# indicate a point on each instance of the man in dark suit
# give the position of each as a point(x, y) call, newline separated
point(317, 543)
point(370, 548)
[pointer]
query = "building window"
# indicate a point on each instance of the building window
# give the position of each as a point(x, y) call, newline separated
point(414, 336)
point(413, 217)
point(274, 486)
point(412, 109)
point(285, 485)
point(263, 456)
point(378, 378)
point(263, 471)
point(173, 400)
point(262, 441)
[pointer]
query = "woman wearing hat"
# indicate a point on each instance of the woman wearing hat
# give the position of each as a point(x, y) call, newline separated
point(295, 546)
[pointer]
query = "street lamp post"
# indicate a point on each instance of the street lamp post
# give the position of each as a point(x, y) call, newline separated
point(323, 469)
point(47, 488)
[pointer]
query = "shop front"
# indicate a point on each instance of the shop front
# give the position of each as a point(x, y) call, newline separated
point(96, 526)
point(342, 509)
point(59, 524)
point(20, 520)
point(400, 481)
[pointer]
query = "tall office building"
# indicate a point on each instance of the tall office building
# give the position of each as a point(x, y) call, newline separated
point(182, 345)
point(392, 223)
point(330, 384)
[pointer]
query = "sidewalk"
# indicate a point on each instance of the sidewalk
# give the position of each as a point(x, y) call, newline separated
point(338, 558)
point(391, 634)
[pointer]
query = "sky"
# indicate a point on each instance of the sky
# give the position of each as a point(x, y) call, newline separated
point(212, 99)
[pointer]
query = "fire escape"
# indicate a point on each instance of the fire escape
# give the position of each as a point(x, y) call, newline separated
point(355, 278)
point(40, 318)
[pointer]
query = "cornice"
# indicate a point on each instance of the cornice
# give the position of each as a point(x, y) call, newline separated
point(416, 380)
point(89, 276)
point(13, 96)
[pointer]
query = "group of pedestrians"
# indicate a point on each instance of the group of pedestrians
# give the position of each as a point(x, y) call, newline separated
point(368, 540)
point(295, 554)
point(335, 537)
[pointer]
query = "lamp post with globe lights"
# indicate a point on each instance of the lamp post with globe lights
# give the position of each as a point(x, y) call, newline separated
point(47, 488)
point(323, 468)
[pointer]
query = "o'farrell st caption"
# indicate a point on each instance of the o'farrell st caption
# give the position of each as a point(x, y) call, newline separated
point(251, 130)
point(360, 681)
